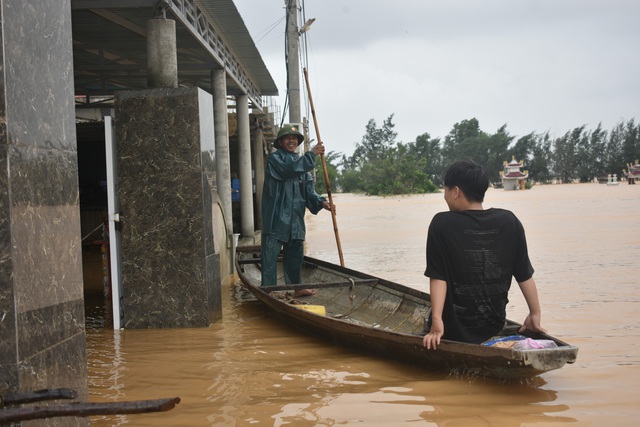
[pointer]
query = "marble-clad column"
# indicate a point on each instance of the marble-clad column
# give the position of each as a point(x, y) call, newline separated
point(167, 190)
point(41, 292)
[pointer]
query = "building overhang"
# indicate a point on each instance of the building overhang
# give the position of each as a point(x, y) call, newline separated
point(110, 46)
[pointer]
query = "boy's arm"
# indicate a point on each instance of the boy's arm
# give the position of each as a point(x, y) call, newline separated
point(438, 291)
point(530, 292)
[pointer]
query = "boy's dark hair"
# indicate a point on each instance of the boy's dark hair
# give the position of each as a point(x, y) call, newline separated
point(469, 177)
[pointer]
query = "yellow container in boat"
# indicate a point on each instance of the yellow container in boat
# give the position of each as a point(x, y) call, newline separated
point(317, 309)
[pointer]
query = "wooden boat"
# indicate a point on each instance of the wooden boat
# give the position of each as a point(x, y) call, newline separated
point(386, 318)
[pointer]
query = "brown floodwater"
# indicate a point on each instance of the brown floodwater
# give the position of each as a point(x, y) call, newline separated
point(251, 369)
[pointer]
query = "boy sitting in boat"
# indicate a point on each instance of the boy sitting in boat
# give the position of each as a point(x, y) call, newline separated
point(472, 255)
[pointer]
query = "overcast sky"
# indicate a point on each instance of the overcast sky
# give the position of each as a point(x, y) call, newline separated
point(534, 65)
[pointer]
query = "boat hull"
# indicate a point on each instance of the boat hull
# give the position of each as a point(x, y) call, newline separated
point(385, 318)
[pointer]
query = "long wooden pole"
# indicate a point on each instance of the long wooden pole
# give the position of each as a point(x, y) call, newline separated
point(324, 168)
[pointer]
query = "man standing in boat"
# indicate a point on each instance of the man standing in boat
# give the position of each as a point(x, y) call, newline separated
point(288, 192)
point(472, 255)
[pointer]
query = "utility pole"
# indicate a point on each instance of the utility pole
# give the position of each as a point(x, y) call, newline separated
point(293, 58)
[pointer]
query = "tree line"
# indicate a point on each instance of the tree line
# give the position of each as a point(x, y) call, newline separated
point(380, 165)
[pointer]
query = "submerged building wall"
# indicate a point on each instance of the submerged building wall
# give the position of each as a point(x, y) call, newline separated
point(41, 299)
point(168, 197)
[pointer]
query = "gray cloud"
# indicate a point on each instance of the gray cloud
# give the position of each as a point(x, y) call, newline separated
point(535, 65)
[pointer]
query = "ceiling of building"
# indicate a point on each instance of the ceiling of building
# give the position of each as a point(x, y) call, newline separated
point(110, 46)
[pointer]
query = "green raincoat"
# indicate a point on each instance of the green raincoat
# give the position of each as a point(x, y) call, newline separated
point(288, 191)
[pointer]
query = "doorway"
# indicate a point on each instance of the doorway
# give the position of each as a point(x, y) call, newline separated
point(92, 177)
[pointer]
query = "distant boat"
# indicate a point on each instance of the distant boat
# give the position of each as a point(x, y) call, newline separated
point(386, 318)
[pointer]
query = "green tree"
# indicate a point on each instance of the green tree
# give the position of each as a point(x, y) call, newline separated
point(360, 171)
point(458, 143)
point(381, 166)
point(467, 141)
point(539, 163)
point(583, 161)
point(348, 175)
point(495, 152)
point(332, 171)
point(614, 158)
point(400, 172)
point(412, 172)
point(428, 152)
point(630, 143)
point(376, 141)
point(523, 148)
point(596, 152)
point(564, 156)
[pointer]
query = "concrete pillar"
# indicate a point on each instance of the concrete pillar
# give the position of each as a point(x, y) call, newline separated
point(244, 153)
point(223, 167)
point(162, 60)
point(258, 164)
point(293, 67)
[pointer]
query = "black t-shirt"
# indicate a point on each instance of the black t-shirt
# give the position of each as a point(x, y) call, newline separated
point(477, 253)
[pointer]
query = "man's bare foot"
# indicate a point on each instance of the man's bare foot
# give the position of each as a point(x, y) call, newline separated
point(304, 292)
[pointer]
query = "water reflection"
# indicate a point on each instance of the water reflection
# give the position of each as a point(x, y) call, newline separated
point(253, 369)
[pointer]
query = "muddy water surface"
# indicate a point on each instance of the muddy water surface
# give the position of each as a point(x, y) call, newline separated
point(250, 369)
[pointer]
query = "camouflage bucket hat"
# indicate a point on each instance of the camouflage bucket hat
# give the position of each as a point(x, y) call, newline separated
point(288, 130)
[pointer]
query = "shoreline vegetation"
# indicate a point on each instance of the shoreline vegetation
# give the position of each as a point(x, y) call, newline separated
point(381, 166)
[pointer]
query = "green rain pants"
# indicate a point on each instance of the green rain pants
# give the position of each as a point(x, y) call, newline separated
point(292, 255)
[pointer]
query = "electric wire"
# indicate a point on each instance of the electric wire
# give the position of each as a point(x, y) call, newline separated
point(264, 33)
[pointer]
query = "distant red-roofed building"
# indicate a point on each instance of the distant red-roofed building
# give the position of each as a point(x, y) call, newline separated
point(512, 177)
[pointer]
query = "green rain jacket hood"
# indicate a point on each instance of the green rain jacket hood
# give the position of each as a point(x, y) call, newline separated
point(288, 190)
